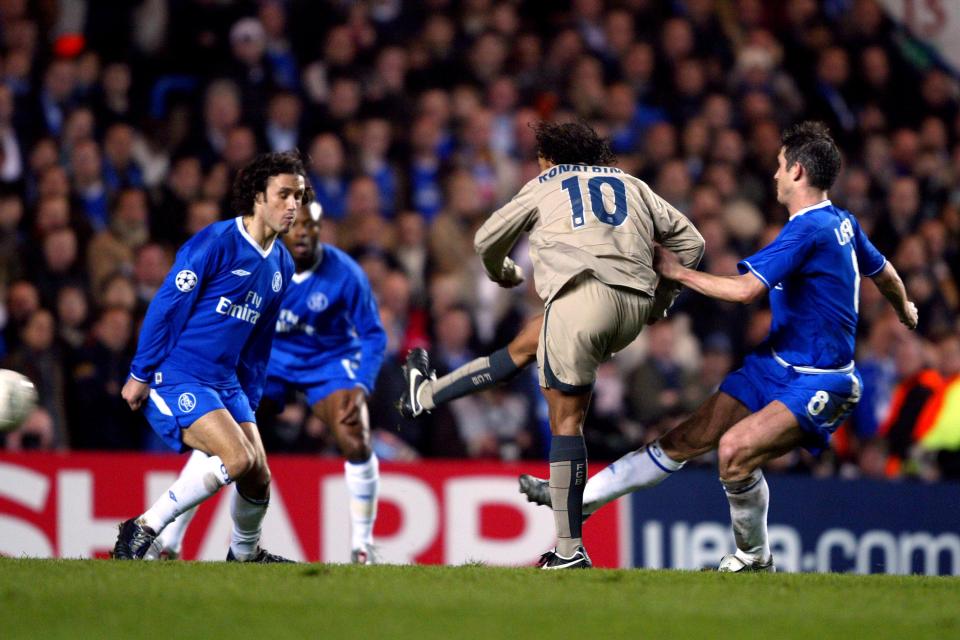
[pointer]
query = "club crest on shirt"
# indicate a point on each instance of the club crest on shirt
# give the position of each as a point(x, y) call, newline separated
point(277, 283)
point(187, 401)
point(317, 302)
point(186, 280)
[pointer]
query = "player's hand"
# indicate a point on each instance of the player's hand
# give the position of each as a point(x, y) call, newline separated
point(135, 393)
point(511, 274)
point(909, 315)
point(666, 263)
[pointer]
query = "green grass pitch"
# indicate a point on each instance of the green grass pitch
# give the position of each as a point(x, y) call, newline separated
point(103, 599)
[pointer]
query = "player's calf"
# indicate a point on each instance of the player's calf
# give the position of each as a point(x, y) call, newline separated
point(346, 411)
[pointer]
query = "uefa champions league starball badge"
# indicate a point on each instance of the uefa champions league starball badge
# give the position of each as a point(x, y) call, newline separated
point(186, 280)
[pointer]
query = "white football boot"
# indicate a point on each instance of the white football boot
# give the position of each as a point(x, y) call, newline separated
point(732, 563)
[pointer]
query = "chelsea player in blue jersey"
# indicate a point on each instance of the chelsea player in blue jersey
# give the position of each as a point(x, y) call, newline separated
point(799, 385)
point(330, 346)
point(201, 361)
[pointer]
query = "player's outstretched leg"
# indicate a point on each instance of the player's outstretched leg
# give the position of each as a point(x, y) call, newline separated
point(646, 467)
point(424, 392)
point(652, 463)
point(345, 410)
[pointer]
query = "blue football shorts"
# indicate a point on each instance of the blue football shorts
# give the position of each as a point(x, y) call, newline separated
point(171, 408)
point(325, 378)
point(820, 399)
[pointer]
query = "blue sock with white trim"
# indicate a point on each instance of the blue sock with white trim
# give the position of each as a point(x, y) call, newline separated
point(646, 467)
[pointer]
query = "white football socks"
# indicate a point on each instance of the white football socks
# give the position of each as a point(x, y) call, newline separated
point(363, 484)
point(171, 538)
point(646, 467)
point(248, 514)
point(749, 500)
point(197, 482)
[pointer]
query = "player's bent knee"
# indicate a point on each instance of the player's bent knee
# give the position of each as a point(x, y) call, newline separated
point(240, 462)
point(733, 456)
point(262, 476)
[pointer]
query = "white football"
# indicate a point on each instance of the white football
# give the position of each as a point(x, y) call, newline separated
point(18, 398)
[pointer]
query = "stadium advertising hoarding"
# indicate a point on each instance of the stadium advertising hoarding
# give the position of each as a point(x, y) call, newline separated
point(459, 512)
point(430, 512)
point(857, 526)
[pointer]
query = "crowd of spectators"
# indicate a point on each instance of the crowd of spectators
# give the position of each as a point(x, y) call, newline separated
point(123, 124)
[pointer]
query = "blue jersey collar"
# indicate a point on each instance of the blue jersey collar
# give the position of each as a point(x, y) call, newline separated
point(819, 205)
point(243, 232)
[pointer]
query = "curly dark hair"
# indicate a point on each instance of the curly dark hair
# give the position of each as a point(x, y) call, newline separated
point(572, 143)
point(253, 178)
point(810, 144)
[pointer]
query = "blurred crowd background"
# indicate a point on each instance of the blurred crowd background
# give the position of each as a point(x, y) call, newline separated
point(122, 125)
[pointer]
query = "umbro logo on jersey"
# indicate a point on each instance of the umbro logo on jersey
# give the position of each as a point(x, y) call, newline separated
point(240, 272)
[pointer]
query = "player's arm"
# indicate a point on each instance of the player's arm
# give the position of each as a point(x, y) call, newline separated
point(773, 264)
point(675, 232)
point(745, 288)
point(166, 316)
point(873, 265)
point(497, 236)
point(891, 286)
point(373, 337)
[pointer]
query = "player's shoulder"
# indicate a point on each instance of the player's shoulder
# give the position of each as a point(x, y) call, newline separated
point(210, 237)
point(341, 262)
point(812, 218)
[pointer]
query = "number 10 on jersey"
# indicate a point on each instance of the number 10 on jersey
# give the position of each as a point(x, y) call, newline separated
point(597, 205)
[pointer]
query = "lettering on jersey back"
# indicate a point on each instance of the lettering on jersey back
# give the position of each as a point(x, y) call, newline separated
point(844, 232)
point(556, 170)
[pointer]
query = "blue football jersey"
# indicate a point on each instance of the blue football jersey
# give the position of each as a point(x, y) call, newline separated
point(329, 315)
point(813, 270)
point(213, 318)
